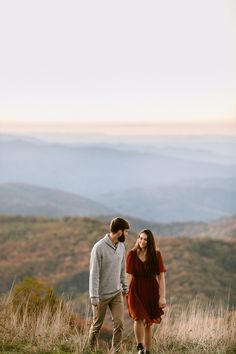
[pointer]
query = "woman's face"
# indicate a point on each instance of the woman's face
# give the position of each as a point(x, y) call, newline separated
point(142, 241)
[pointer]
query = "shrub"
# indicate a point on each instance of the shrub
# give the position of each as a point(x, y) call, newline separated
point(33, 295)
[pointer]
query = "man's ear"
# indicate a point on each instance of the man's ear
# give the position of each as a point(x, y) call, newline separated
point(120, 232)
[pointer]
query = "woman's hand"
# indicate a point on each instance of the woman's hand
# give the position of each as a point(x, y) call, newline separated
point(162, 302)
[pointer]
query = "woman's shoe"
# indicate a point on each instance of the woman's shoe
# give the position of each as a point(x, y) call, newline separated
point(140, 348)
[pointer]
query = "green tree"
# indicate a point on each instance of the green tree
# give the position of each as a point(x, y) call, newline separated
point(33, 296)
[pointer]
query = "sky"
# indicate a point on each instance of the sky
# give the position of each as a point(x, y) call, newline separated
point(79, 64)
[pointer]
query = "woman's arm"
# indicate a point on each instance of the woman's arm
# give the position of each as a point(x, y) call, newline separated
point(162, 289)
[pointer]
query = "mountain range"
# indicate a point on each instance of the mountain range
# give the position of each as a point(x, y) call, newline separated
point(25, 199)
point(158, 180)
point(206, 201)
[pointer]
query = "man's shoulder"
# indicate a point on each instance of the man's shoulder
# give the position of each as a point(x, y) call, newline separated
point(99, 244)
point(122, 246)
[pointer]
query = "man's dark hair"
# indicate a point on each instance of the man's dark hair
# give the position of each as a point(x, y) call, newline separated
point(118, 224)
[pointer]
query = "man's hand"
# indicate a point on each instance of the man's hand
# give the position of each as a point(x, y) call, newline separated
point(95, 305)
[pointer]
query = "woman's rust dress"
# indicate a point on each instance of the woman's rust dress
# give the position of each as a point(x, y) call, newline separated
point(143, 295)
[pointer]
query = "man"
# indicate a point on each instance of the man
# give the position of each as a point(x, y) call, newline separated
point(107, 282)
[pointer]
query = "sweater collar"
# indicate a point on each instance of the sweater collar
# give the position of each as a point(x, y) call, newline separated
point(109, 242)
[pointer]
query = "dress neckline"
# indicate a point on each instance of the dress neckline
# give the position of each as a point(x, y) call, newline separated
point(140, 258)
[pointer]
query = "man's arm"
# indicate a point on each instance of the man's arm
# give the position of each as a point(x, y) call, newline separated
point(128, 278)
point(94, 276)
point(123, 276)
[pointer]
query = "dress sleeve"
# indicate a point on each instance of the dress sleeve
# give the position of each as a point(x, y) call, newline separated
point(160, 263)
point(130, 262)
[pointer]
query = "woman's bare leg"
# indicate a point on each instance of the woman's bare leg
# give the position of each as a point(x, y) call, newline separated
point(139, 331)
point(147, 337)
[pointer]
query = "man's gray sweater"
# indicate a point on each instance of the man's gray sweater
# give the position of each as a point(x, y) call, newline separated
point(107, 270)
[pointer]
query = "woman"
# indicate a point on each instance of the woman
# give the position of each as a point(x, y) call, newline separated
point(146, 297)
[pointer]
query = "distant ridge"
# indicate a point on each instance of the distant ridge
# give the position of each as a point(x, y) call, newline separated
point(94, 170)
point(162, 181)
point(198, 200)
point(223, 228)
point(26, 199)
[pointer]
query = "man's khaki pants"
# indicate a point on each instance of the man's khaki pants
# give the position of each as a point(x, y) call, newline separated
point(116, 306)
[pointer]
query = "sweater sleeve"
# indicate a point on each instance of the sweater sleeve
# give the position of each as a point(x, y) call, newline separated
point(123, 276)
point(94, 275)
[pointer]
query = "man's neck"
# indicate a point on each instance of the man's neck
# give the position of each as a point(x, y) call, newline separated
point(113, 238)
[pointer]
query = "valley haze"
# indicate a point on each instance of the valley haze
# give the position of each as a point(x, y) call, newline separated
point(155, 178)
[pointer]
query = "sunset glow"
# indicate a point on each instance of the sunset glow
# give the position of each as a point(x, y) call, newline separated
point(70, 128)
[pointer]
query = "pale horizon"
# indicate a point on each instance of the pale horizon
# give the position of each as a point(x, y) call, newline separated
point(72, 128)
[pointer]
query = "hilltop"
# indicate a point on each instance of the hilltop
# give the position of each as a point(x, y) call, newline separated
point(57, 250)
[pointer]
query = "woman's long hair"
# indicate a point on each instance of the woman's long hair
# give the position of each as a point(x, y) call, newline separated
point(151, 257)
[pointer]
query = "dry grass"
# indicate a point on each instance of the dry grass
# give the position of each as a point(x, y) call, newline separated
point(198, 328)
point(46, 332)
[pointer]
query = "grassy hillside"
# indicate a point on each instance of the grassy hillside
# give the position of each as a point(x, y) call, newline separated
point(203, 267)
point(57, 250)
point(197, 328)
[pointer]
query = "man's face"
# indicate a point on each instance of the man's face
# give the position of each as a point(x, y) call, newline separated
point(124, 234)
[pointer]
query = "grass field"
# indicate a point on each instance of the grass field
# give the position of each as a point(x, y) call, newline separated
point(196, 328)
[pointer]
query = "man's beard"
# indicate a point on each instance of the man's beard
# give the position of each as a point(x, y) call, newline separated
point(122, 237)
